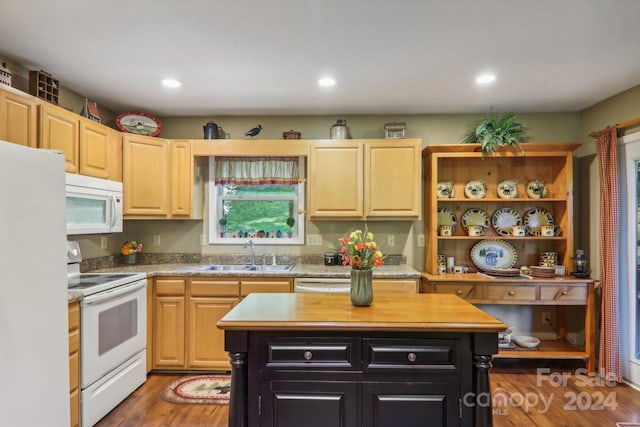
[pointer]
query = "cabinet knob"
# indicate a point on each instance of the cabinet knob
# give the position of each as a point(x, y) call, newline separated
point(565, 293)
point(459, 292)
point(307, 355)
point(511, 293)
point(412, 357)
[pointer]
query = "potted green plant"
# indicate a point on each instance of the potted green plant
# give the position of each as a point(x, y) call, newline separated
point(290, 222)
point(222, 222)
point(495, 132)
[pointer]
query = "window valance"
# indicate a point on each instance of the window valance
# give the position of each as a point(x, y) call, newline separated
point(257, 170)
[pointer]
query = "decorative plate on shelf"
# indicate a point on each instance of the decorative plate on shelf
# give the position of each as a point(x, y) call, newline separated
point(475, 189)
point(446, 217)
point(139, 123)
point(493, 254)
point(508, 189)
point(445, 190)
point(505, 218)
point(536, 189)
point(504, 272)
point(536, 218)
point(474, 217)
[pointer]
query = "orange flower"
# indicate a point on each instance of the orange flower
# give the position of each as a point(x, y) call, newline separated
point(360, 250)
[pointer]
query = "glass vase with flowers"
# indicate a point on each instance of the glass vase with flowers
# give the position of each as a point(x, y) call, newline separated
point(130, 249)
point(362, 253)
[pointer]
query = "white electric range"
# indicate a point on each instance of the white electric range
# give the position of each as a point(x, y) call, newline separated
point(113, 334)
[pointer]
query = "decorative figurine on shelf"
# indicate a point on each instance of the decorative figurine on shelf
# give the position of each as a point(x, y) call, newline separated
point(254, 131)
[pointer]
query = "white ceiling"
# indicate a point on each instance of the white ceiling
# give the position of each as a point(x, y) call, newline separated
point(241, 57)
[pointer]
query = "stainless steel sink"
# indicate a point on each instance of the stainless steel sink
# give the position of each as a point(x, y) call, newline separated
point(245, 267)
point(271, 267)
point(226, 267)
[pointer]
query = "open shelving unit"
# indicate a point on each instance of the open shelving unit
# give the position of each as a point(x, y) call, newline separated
point(551, 163)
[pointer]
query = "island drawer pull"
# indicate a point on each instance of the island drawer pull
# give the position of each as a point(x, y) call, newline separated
point(307, 355)
point(412, 357)
point(511, 293)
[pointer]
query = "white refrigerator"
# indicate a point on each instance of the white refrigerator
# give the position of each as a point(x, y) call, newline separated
point(34, 344)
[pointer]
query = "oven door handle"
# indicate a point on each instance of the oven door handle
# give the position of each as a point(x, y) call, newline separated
point(114, 293)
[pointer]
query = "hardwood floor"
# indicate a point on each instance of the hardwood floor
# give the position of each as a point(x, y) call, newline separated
point(522, 397)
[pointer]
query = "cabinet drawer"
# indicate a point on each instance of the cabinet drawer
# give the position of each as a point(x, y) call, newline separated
point(209, 288)
point(316, 353)
point(511, 292)
point(170, 286)
point(74, 316)
point(564, 294)
point(410, 355)
point(463, 290)
point(74, 341)
point(248, 287)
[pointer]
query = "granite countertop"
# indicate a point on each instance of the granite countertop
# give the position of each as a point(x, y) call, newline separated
point(299, 270)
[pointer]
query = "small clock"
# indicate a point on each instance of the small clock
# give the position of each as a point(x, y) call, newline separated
point(139, 123)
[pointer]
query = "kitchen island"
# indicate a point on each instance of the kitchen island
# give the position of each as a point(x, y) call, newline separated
point(315, 360)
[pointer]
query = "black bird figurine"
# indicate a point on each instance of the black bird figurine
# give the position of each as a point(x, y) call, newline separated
point(253, 132)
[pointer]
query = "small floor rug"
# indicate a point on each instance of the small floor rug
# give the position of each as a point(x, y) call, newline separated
point(202, 389)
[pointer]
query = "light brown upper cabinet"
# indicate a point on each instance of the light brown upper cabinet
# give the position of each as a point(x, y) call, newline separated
point(59, 130)
point(18, 118)
point(365, 179)
point(158, 177)
point(89, 148)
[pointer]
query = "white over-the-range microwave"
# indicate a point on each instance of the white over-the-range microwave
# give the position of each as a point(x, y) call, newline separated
point(94, 205)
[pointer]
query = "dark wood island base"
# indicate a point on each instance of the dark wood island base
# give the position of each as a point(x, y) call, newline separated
point(315, 360)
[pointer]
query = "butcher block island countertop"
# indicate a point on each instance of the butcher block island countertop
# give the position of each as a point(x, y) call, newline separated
point(330, 312)
point(402, 360)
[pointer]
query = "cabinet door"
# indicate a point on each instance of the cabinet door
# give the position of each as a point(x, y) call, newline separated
point(169, 340)
point(18, 119)
point(181, 186)
point(309, 404)
point(206, 341)
point(145, 182)
point(335, 185)
point(395, 286)
point(94, 149)
point(393, 176)
point(410, 404)
point(74, 363)
point(59, 130)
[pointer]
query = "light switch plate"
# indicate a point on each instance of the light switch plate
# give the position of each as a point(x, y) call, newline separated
point(421, 240)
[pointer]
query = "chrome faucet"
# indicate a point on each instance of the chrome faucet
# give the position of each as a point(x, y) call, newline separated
point(253, 252)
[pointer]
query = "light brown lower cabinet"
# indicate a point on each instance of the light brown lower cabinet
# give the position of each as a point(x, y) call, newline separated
point(74, 363)
point(185, 313)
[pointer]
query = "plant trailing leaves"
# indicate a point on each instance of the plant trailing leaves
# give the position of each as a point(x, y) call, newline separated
point(494, 132)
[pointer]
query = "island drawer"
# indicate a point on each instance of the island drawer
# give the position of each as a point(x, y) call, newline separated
point(432, 355)
point(314, 353)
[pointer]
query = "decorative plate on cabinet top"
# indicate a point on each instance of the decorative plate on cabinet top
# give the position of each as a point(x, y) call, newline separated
point(446, 217)
point(474, 217)
point(139, 123)
point(536, 189)
point(536, 218)
point(505, 218)
point(493, 254)
point(475, 189)
point(445, 190)
point(508, 189)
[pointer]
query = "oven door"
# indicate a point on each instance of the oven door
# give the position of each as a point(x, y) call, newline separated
point(113, 329)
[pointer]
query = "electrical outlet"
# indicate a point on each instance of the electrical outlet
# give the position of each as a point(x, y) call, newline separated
point(546, 317)
point(103, 242)
point(314, 240)
point(421, 240)
point(156, 240)
point(391, 240)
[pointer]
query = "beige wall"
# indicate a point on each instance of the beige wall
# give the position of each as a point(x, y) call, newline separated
point(184, 236)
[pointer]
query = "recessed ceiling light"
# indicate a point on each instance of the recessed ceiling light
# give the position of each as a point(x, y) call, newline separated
point(327, 82)
point(485, 79)
point(171, 83)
